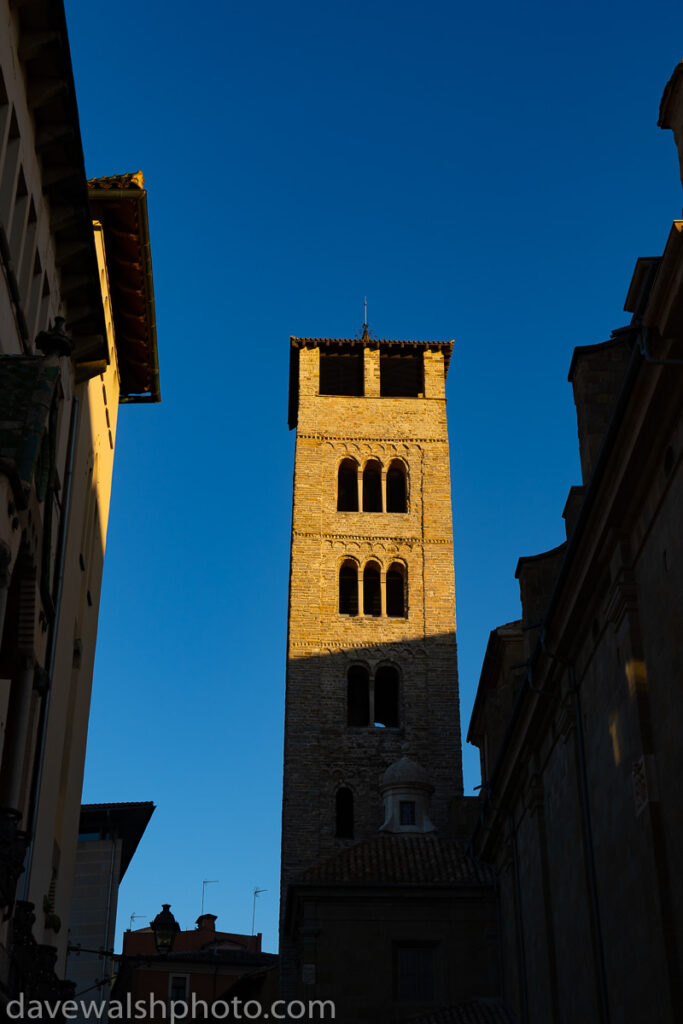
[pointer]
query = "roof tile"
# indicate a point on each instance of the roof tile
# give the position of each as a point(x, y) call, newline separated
point(400, 860)
point(480, 1011)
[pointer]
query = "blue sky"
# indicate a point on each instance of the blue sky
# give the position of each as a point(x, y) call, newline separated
point(485, 174)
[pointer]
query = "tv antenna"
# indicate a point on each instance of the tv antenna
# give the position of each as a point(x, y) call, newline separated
point(207, 881)
point(134, 917)
point(257, 892)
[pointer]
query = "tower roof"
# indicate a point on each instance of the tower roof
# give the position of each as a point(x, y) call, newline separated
point(347, 343)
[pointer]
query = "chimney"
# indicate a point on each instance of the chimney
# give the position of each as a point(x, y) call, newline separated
point(206, 922)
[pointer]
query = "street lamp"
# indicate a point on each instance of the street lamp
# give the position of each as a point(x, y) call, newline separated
point(165, 928)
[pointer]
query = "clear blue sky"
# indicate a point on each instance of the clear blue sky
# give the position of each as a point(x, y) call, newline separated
point(488, 174)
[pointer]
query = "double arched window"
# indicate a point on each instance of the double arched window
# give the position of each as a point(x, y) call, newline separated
point(370, 490)
point(372, 701)
point(375, 596)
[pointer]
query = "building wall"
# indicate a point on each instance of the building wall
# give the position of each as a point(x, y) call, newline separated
point(92, 921)
point(30, 245)
point(60, 791)
point(580, 811)
point(49, 651)
point(350, 938)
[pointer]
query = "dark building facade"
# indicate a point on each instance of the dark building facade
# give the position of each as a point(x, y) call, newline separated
point(578, 715)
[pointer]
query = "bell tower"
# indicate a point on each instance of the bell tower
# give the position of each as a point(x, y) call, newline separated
point(371, 650)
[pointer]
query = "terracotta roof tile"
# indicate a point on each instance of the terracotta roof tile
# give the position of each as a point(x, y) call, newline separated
point(400, 860)
point(118, 181)
point(480, 1011)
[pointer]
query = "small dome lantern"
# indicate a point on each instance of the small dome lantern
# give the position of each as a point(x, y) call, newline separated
point(406, 791)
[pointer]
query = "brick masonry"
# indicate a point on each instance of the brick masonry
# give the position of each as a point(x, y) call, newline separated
point(321, 752)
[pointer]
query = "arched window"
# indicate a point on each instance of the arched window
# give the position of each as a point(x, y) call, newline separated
point(358, 696)
point(348, 588)
point(396, 591)
point(397, 487)
point(344, 813)
point(372, 598)
point(372, 487)
point(347, 486)
point(386, 696)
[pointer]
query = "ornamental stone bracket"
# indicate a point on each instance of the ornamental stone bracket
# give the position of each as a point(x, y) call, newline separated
point(622, 598)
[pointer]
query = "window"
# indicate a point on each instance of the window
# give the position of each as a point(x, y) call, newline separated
point(344, 813)
point(372, 701)
point(396, 588)
point(372, 487)
point(348, 588)
point(397, 487)
point(400, 373)
point(358, 696)
point(177, 988)
point(347, 486)
point(341, 373)
point(406, 812)
point(372, 590)
point(386, 697)
point(415, 970)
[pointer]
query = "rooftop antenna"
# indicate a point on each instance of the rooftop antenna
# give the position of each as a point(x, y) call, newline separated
point(257, 892)
point(134, 917)
point(366, 334)
point(207, 881)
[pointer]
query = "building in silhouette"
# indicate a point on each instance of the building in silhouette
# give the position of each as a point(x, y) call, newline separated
point(578, 716)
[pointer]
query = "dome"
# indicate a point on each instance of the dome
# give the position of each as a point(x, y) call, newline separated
point(405, 772)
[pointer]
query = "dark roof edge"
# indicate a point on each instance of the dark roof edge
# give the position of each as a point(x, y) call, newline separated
point(497, 638)
point(99, 190)
point(667, 96)
point(618, 338)
point(539, 557)
point(465, 884)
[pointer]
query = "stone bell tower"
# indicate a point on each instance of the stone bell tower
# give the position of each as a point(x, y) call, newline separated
point(371, 652)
